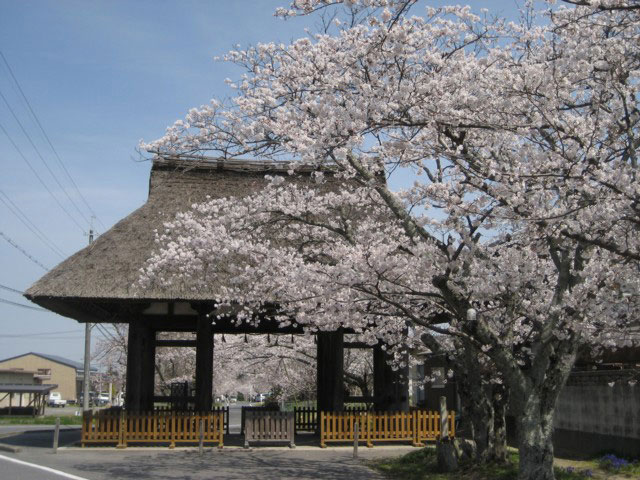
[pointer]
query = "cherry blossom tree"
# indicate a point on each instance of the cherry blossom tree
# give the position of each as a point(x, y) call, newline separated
point(249, 364)
point(520, 228)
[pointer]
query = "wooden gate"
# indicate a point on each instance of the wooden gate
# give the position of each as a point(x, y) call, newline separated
point(269, 426)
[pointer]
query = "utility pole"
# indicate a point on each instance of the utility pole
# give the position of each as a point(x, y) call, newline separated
point(87, 350)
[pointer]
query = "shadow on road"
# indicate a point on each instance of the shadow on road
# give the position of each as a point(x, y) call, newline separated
point(43, 439)
point(230, 464)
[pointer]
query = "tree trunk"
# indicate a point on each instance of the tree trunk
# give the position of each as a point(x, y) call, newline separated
point(500, 400)
point(482, 421)
point(484, 407)
point(535, 441)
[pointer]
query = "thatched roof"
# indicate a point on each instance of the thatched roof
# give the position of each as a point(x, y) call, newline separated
point(106, 270)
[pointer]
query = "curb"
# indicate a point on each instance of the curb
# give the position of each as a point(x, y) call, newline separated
point(37, 430)
point(232, 448)
point(11, 434)
point(9, 448)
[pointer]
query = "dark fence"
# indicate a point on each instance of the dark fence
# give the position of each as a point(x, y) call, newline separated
point(245, 410)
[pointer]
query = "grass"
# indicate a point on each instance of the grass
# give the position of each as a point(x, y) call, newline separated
point(46, 420)
point(422, 465)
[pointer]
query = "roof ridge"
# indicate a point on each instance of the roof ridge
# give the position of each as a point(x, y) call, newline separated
point(195, 162)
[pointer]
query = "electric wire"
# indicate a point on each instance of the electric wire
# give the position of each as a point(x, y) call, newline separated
point(55, 178)
point(44, 133)
point(23, 251)
point(20, 215)
point(40, 179)
point(105, 333)
point(4, 287)
point(16, 304)
point(38, 334)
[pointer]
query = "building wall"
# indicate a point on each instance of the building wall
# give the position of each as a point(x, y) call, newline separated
point(62, 375)
point(593, 416)
point(17, 378)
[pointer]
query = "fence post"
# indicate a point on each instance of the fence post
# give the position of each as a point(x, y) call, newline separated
point(201, 436)
point(291, 419)
point(444, 424)
point(122, 431)
point(322, 444)
point(368, 426)
point(221, 430)
point(56, 433)
point(86, 426)
point(248, 429)
point(356, 429)
point(172, 444)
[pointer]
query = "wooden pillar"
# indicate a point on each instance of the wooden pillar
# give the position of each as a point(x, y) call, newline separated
point(204, 364)
point(140, 366)
point(148, 368)
point(390, 387)
point(330, 358)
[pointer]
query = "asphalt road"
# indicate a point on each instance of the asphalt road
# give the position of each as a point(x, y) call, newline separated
point(98, 463)
point(14, 469)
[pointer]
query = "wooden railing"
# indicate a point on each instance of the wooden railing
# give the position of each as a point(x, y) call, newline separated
point(340, 427)
point(224, 410)
point(307, 418)
point(124, 427)
point(428, 425)
point(415, 427)
point(269, 426)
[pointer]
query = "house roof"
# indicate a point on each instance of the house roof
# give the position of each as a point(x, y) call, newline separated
point(54, 358)
point(108, 269)
point(17, 388)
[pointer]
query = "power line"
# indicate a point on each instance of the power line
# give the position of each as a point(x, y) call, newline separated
point(16, 304)
point(23, 251)
point(37, 334)
point(4, 287)
point(105, 332)
point(37, 120)
point(40, 179)
point(26, 134)
point(30, 225)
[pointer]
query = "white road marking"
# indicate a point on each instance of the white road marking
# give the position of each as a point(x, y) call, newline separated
point(40, 467)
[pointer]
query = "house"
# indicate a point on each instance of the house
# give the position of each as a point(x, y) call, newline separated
point(22, 392)
point(67, 374)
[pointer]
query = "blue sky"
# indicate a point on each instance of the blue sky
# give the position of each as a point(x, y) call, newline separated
point(101, 75)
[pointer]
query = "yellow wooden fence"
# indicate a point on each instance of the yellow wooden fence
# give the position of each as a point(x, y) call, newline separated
point(415, 427)
point(123, 427)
